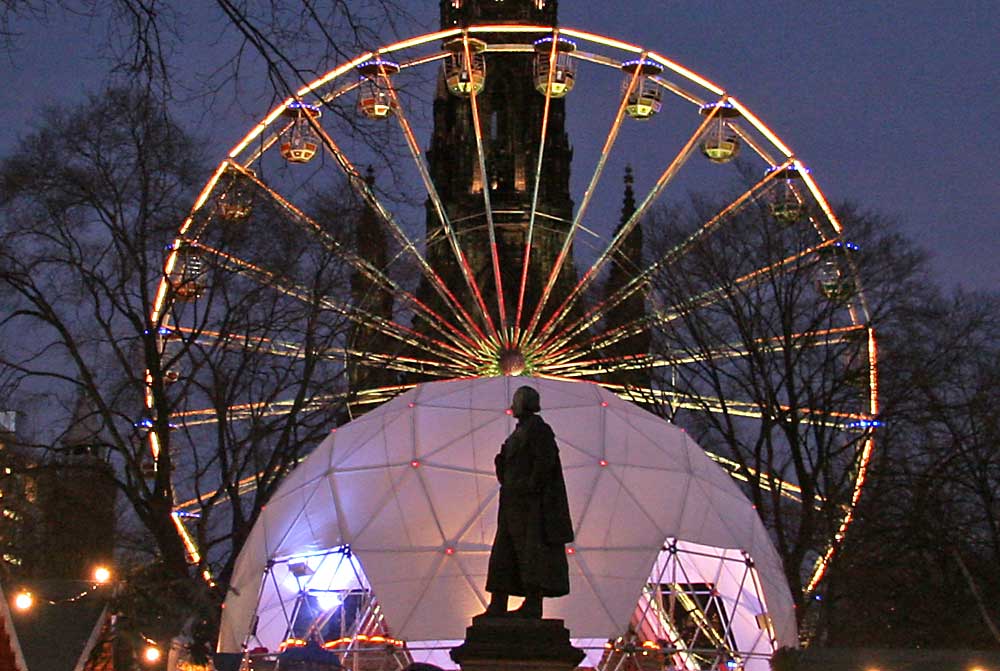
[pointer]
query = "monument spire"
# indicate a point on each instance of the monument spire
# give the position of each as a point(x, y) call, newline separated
point(469, 12)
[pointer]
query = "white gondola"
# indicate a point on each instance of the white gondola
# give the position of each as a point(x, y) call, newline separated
point(833, 277)
point(786, 204)
point(646, 97)
point(234, 199)
point(187, 275)
point(300, 142)
point(721, 144)
point(375, 100)
point(465, 69)
point(563, 72)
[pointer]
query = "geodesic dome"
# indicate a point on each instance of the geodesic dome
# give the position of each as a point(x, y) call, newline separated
point(402, 503)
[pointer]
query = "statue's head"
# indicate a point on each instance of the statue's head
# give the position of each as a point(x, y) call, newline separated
point(525, 402)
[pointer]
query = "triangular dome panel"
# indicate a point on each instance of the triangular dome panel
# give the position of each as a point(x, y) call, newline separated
point(411, 488)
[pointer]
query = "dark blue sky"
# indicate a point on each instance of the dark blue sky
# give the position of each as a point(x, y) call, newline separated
point(893, 105)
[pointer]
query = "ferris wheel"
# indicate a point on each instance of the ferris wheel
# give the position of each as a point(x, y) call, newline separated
point(724, 291)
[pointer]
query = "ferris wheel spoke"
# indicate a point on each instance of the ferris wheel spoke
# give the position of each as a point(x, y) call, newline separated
point(718, 405)
point(247, 411)
point(435, 197)
point(553, 51)
point(668, 174)
point(237, 341)
point(766, 482)
point(564, 252)
point(751, 142)
point(265, 409)
point(361, 265)
point(642, 279)
point(273, 347)
point(705, 299)
point(364, 189)
point(484, 175)
point(573, 360)
point(354, 314)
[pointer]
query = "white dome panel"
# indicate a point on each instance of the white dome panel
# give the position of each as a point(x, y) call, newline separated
point(410, 488)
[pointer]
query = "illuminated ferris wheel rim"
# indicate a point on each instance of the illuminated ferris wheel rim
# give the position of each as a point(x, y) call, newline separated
point(649, 64)
point(235, 158)
point(351, 66)
point(776, 154)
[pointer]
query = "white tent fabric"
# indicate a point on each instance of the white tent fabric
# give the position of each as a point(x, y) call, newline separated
point(410, 488)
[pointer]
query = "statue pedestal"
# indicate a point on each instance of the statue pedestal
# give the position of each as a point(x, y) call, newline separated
point(516, 644)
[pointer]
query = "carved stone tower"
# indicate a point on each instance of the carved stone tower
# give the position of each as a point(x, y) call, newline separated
point(625, 265)
point(511, 113)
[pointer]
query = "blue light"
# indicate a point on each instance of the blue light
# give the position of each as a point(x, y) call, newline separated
point(652, 66)
point(299, 105)
point(721, 105)
point(562, 40)
point(374, 63)
point(144, 423)
point(864, 424)
point(788, 172)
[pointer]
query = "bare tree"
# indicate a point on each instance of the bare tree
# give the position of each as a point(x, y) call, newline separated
point(763, 342)
point(920, 569)
point(198, 398)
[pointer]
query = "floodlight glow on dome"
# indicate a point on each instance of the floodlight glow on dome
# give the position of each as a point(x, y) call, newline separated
point(657, 522)
point(327, 600)
point(333, 571)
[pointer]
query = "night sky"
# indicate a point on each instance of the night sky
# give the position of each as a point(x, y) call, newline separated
point(893, 105)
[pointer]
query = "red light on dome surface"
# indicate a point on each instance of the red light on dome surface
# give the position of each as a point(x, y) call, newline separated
point(411, 405)
point(449, 551)
point(603, 462)
point(571, 551)
point(509, 411)
point(414, 463)
point(604, 404)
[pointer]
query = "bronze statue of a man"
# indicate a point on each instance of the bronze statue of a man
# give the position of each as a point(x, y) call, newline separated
point(533, 525)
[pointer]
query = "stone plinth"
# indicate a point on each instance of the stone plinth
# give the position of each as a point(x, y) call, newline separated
point(516, 644)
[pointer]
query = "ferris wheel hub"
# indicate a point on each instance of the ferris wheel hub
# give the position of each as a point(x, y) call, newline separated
point(511, 362)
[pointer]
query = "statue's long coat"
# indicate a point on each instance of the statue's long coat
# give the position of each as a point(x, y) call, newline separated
point(533, 524)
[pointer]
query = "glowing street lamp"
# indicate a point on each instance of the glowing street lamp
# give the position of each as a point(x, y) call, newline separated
point(24, 601)
point(102, 574)
point(152, 654)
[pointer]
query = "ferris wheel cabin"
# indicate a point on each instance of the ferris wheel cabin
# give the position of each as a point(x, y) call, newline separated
point(465, 67)
point(721, 143)
point(300, 142)
point(375, 94)
point(553, 61)
point(645, 96)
